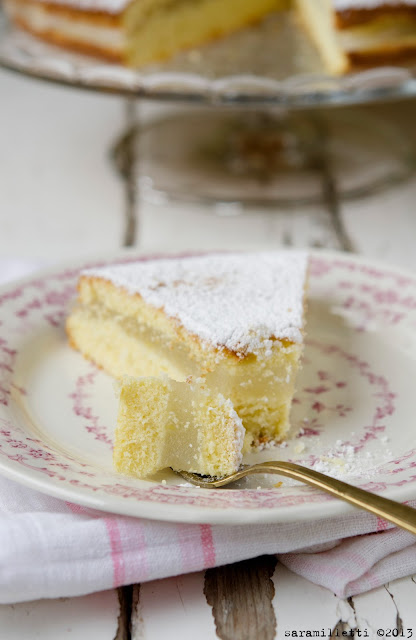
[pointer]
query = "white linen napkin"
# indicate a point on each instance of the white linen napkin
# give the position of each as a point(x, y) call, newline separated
point(51, 548)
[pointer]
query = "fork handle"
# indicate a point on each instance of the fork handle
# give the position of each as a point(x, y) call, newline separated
point(399, 514)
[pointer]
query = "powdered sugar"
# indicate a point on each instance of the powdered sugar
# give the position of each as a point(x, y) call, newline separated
point(345, 5)
point(238, 301)
point(340, 460)
point(113, 7)
point(117, 6)
point(343, 461)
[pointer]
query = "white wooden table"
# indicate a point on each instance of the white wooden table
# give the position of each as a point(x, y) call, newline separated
point(60, 197)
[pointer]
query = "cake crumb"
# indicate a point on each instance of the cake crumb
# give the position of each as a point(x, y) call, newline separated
point(300, 447)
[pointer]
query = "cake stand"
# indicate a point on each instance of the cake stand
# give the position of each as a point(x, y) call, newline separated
point(255, 116)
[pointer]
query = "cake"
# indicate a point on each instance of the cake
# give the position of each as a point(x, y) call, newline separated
point(135, 32)
point(235, 320)
point(361, 33)
point(183, 425)
point(348, 33)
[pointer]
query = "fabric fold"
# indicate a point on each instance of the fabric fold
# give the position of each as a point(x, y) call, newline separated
point(51, 548)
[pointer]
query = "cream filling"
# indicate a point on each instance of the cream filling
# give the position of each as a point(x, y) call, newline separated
point(260, 387)
point(173, 357)
point(267, 378)
point(192, 440)
point(163, 423)
point(41, 21)
point(318, 18)
point(362, 39)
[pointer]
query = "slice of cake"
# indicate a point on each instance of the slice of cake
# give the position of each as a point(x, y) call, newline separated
point(234, 319)
point(356, 33)
point(135, 32)
point(162, 423)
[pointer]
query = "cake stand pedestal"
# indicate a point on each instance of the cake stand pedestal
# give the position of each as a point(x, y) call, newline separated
point(256, 113)
point(233, 159)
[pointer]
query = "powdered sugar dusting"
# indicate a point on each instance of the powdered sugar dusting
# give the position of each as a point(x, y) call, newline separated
point(117, 6)
point(341, 460)
point(113, 7)
point(237, 301)
point(344, 462)
point(345, 5)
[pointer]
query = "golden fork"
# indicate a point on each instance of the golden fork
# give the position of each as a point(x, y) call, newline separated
point(399, 514)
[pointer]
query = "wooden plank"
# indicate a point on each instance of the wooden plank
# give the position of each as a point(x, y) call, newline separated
point(301, 605)
point(201, 228)
point(384, 227)
point(382, 224)
point(241, 597)
point(92, 617)
point(125, 601)
point(374, 610)
point(175, 608)
point(59, 194)
point(403, 595)
point(386, 608)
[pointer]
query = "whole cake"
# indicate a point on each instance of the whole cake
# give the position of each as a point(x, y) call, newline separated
point(234, 320)
point(348, 33)
point(183, 425)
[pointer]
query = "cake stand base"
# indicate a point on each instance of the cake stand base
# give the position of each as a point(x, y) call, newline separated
point(243, 158)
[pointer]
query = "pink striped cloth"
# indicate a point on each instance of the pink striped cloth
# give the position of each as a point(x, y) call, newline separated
point(50, 548)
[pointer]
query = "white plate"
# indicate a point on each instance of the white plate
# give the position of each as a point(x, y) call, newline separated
point(356, 393)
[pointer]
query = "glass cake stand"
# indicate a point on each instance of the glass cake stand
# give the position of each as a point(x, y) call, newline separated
point(259, 116)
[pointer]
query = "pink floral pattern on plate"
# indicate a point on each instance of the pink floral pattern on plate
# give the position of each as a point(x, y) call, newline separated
point(351, 302)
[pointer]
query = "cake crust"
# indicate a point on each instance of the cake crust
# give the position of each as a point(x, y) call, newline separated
point(61, 25)
point(63, 41)
point(95, 15)
point(347, 18)
point(389, 55)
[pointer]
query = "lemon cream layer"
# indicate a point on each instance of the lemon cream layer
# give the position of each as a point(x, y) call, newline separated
point(162, 423)
point(234, 319)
